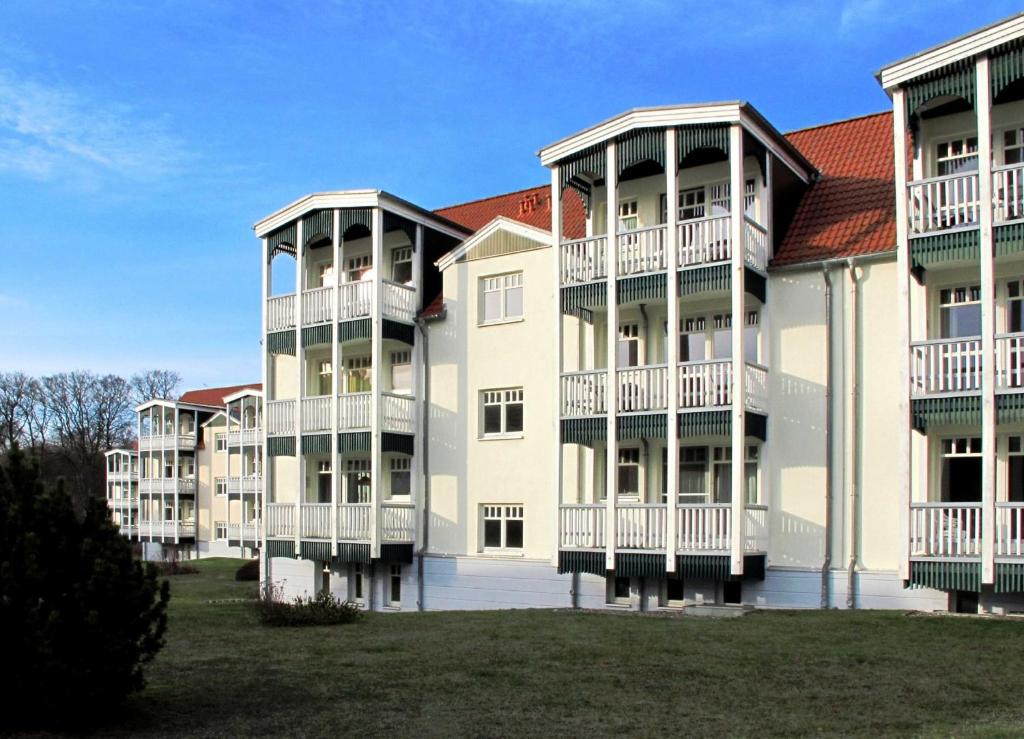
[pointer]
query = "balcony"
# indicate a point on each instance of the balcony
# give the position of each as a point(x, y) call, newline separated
point(354, 521)
point(122, 475)
point(167, 529)
point(945, 367)
point(700, 385)
point(700, 242)
point(1008, 189)
point(1010, 362)
point(167, 486)
point(281, 418)
point(245, 437)
point(129, 530)
point(398, 414)
point(124, 502)
point(244, 531)
point(700, 528)
point(248, 485)
point(945, 530)
point(149, 442)
point(355, 300)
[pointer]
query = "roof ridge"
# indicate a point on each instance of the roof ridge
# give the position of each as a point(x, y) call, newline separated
point(491, 197)
point(839, 122)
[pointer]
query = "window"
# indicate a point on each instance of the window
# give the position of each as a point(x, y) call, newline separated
point(673, 593)
point(502, 298)
point(221, 442)
point(220, 531)
point(722, 474)
point(358, 375)
point(1013, 146)
point(221, 486)
point(401, 265)
point(629, 218)
point(401, 477)
point(395, 591)
point(323, 481)
point(503, 526)
point(325, 274)
point(960, 312)
point(692, 340)
point(721, 198)
point(357, 582)
point(961, 470)
point(503, 412)
point(188, 424)
point(359, 268)
point(721, 337)
point(188, 467)
point(617, 591)
point(1015, 306)
point(629, 473)
point(1015, 471)
point(629, 345)
point(693, 474)
point(401, 372)
point(957, 155)
point(324, 377)
point(357, 480)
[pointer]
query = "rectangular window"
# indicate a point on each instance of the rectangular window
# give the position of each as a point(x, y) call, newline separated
point(357, 480)
point(960, 312)
point(1015, 473)
point(502, 412)
point(357, 582)
point(358, 374)
point(401, 372)
point(401, 265)
point(629, 345)
point(501, 298)
point(221, 531)
point(395, 590)
point(692, 340)
point(629, 218)
point(358, 268)
point(323, 481)
point(1015, 306)
point(1013, 146)
point(503, 526)
point(957, 155)
point(325, 274)
point(693, 475)
point(617, 590)
point(401, 477)
point(324, 376)
point(222, 486)
point(721, 337)
point(722, 474)
point(961, 470)
point(674, 593)
point(629, 473)
point(721, 198)
point(220, 442)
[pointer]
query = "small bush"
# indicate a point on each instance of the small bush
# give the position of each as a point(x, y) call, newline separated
point(323, 609)
point(175, 567)
point(249, 572)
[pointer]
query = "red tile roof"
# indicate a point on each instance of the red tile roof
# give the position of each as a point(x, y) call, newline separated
point(531, 206)
point(215, 395)
point(435, 308)
point(851, 210)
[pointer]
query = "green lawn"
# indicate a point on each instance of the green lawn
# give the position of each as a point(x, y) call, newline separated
point(574, 674)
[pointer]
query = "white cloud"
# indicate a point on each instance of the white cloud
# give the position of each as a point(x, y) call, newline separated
point(48, 130)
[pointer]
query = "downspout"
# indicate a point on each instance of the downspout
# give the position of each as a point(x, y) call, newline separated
point(854, 443)
point(826, 562)
point(421, 323)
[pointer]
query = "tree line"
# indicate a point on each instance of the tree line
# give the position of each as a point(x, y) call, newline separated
point(65, 422)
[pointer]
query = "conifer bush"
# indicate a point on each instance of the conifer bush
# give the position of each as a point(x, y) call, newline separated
point(248, 572)
point(79, 615)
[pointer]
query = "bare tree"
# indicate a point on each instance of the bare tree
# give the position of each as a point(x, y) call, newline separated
point(14, 386)
point(154, 383)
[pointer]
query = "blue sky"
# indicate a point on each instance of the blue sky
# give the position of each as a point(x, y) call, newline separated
point(139, 141)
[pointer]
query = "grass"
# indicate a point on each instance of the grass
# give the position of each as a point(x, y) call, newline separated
point(573, 674)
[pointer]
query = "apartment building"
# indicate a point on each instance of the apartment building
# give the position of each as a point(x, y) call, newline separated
point(192, 486)
point(710, 363)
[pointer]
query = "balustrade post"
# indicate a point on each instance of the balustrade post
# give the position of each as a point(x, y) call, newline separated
point(611, 389)
point(556, 243)
point(988, 407)
point(672, 345)
point(737, 289)
point(905, 429)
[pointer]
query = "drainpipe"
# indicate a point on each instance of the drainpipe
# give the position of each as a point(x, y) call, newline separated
point(826, 562)
point(853, 445)
point(575, 590)
point(421, 323)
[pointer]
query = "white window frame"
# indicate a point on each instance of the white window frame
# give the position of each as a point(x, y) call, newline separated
point(220, 529)
point(502, 397)
point(629, 456)
point(401, 359)
point(220, 442)
point(357, 367)
point(394, 575)
point(503, 513)
point(501, 285)
point(357, 266)
point(355, 467)
point(963, 141)
point(629, 333)
point(954, 296)
point(220, 487)
point(401, 255)
point(400, 465)
point(628, 210)
point(357, 583)
point(324, 273)
point(618, 600)
point(722, 455)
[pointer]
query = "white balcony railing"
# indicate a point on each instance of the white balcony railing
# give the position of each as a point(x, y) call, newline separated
point(398, 412)
point(355, 300)
point(755, 528)
point(316, 414)
point(704, 241)
point(1010, 361)
point(581, 526)
point(945, 366)
point(583, 393)
point(397, 522)
point(756, 250)
point(943, 203)
point(642, 388)
point(280, 313)
point(316, 305)
point(1008, 188)
point(945, 529)
point(281, 417)
point(315, 520)
point(704, 527)
point(121, 475)
point(354, 521)
point(583, 260)
point(243, 485)
point(167, 529)
point(167, 486)
point(640, 526)
point(244, 437)
point(399, 300)
point(1009, 530)
point(354, 411)
point(148, 442)
point(757, 385)
point(280, 520)
point(704, 384)
point(641, 250)
point(249, 531)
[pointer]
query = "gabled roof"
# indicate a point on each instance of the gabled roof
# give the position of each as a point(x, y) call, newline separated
point(499, 225)
point(214, 396)
point(531, 206)
point(851, 209)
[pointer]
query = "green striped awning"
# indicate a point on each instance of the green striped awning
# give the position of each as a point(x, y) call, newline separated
point(351, 442)
point(355, 217)
point(404, 332)
point(394, 222)
point(641, 426)
point(965, 410)
point(281, 240)
point(637, 564)
point(641, 289)
point(953, 246)
point(580, 299)
point(702, 136)
point(581, 169)
point(319, 551)
point(704, 279)
point(719, 423)
point(1009, 239)
point(591, 563)
point(313, 335)
point(1006, 66)
point(945, 575)
point(278, 548)
point(1009, 577)
point(281, 342)
point(316, 444)
point(351, 552)
point(281, 446)
point(398, 443)
point(317, 225)
point(955, 79)
point(1010, 408)
point(586, 431)
point(352, 330)
point(640, 145)
point(703, 566)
